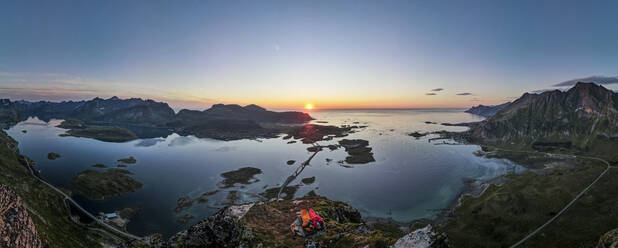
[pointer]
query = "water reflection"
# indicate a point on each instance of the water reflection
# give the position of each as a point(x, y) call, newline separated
point(409, 176)
point(149, 142)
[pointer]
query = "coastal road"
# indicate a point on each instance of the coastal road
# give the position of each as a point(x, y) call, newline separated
point(530, 235)
point(68, 198)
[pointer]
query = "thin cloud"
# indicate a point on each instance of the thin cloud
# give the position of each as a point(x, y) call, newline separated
point(430, 94)
point(541, 91)
point(475, 100)
point(592, 79)
point(464, 94)
point(438, 89)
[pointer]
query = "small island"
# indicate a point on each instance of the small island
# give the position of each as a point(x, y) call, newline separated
point(129, 160)
point(358, 151)
point(53, 156)
point(308, 180)
point(417, 135)
point(245, 175)
point(102, 133)
point(97, 185)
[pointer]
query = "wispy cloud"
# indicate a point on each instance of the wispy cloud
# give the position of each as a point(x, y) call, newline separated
point(475, 100)
point(541, 91)
point(437, 89)
point(464, 94)
point(592, 79)
point(430, 94)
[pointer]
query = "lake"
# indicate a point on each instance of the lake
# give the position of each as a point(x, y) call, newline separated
point(410, 178)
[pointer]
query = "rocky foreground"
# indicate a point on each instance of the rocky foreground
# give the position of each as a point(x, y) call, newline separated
point(267, 224)
point(16, 227)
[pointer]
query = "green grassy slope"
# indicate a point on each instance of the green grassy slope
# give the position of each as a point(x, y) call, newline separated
point(45, 206)
point(504, 214)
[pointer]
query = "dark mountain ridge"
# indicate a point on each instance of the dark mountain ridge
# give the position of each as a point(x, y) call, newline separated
point(486, 111)
point(221, 121)
point(584, 118)
point(134, 111)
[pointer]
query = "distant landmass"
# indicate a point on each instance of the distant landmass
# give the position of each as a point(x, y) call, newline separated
point(109, 119)
point(486, 111)
point(581, 121)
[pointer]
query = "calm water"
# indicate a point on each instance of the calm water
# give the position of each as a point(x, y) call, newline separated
point(410, 178)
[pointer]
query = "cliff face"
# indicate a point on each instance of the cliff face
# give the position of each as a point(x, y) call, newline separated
point(487, 111)
point(16, 227)
point(585, 116)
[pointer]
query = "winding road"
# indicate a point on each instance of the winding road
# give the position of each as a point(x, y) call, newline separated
point(68, 198)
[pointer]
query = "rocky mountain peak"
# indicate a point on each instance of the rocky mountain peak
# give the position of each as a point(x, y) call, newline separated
point(253, 107)
point(585, 116)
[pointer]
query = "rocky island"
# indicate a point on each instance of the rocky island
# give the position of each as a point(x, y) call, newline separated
point(358, 151)
point(53, 156)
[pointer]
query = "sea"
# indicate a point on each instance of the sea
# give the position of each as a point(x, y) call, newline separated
point(411, 178)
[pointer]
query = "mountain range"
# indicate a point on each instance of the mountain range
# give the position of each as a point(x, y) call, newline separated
point(583, 119)
point(220, 121)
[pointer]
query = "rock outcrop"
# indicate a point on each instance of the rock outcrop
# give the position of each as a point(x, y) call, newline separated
point(266, 224)
point(16, 227)
point(420, 238)
point(222, 229)
point(609, 239)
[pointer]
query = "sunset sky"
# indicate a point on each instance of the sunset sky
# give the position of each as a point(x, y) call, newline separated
point(285, 54)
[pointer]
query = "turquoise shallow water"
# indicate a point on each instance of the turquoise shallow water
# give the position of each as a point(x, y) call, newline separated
point(410, 178)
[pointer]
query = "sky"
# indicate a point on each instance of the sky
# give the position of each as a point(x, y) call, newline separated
point(285, 54)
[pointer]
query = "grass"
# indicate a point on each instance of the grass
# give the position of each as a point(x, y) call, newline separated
point(45, 206)
point(504, 214)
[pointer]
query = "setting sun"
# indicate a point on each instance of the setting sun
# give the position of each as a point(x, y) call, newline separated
point(309, 106)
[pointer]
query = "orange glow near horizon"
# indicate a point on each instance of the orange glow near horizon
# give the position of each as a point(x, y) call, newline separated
point(309, 106)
